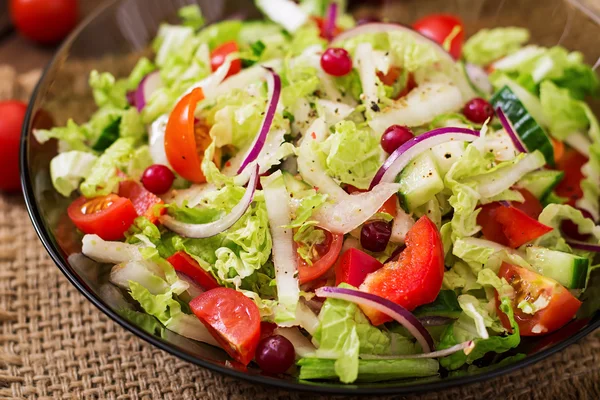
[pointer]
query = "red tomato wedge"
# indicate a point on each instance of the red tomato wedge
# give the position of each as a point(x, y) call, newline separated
point(354, 266)
point(107, 216)
point(327, 254)
point(184, 263)
point(413, 280)
point(143, 200)
point(515, 225)
point(180, 140)
point(218, 55)
point(570, 186)
point(439, 28)
point(232, 318)
point(562, 305)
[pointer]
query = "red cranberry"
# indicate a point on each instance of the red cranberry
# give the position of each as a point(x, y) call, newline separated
point(478, 110)
point(336, 61)
point(275, 354)
point(158, 179)
point(394, 137)
point(374, 236)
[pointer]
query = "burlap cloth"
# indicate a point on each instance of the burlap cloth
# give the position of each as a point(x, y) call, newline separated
point(57, 345)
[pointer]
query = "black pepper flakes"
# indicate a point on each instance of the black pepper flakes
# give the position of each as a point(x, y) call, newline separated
point(375, 107)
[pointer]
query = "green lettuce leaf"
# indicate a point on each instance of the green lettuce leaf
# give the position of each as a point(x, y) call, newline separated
point(71, 136)
point(352, 155)
point(565, 114)
point(553, 215)
point(141, 69)
point(68, 169)
point(191, 16)
point(107, 90)
point(103, 176)
point(488, 45)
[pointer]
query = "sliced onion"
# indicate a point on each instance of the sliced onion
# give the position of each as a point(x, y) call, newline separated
point(156, 139)
point(211, 82)
point(396, 311)
point(194, 290)
point(402, 224)
point(302, 345)
point(147, 86)
point(467, 347)
point(199, 231)
point(285, 257)
point(274, 83)
point(435, 320)
point(352, 211)
point(585, 246)
point(511, 132)
point(479, 78)
point(109, 252)
point(191, 196)
point(402, 156)
point(331, 18)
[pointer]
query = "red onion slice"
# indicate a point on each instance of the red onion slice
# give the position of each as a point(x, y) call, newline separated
point(511, 132)
point(147, 86)
point(199, 231)
point(274, 84)
point(467, 347)
point(331, 18)
point(585, 246)
point(396, 311)
point(402, 156)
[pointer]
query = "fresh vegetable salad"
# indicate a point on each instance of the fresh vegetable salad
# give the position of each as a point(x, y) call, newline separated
point(340, 200)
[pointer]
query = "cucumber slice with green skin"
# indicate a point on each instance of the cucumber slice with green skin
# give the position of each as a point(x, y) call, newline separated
point(532, 134)
point(446, 154)
point(567, 269)
point(294, 185)
point(541, 183)
point(419, 182)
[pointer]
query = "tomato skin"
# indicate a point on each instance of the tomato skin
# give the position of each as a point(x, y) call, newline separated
point(515, 225)
point(392, 76)
point(438, 27)
point(570, 186)
point(180, 141)
point(232, 318)
point(322, 25)
point(184, 263)
point(561, 308)
point(413, 280)
point(44, 21)
point(328, 251)
point(218, 55)
point(110, 223)
point(143, 200)
point(354, 266)
point(12, 114)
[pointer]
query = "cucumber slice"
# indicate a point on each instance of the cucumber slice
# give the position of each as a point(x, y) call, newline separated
point(446, 154)
point(294, 185)
point(531, 133)
point(567, 269)
point(419, 182)
point(541, 183)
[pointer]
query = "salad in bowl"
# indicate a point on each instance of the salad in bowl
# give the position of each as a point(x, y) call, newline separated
point(341, 200)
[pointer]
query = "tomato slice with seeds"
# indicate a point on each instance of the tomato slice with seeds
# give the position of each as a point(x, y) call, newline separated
point(560, 305)
point(232, 318)
point(570, 186)
point(326, 255)
point(181, 145)
point(107, 216)
point(143, 200)
point(184, 263)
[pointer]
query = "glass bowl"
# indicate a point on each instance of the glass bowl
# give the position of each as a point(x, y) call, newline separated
point(118, 33)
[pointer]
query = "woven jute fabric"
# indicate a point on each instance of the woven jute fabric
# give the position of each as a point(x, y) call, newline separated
point(54, 344)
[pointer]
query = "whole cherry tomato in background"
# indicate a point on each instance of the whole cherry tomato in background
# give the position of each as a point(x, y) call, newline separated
point(44, 21)
point(439, 28)
point(12, 114)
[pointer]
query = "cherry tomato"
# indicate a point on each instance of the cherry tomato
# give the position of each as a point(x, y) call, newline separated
point(570, 186)
point(354, 266)
point(438, 27)
point(413, 280)
point(218, 55)
point(143, 201)
point(181, 146)
point(44, 21)
point(107, 216)
point(327, 254)
point(529, 286)
point(12, 114)
point(184, 263)
point(232, 318)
